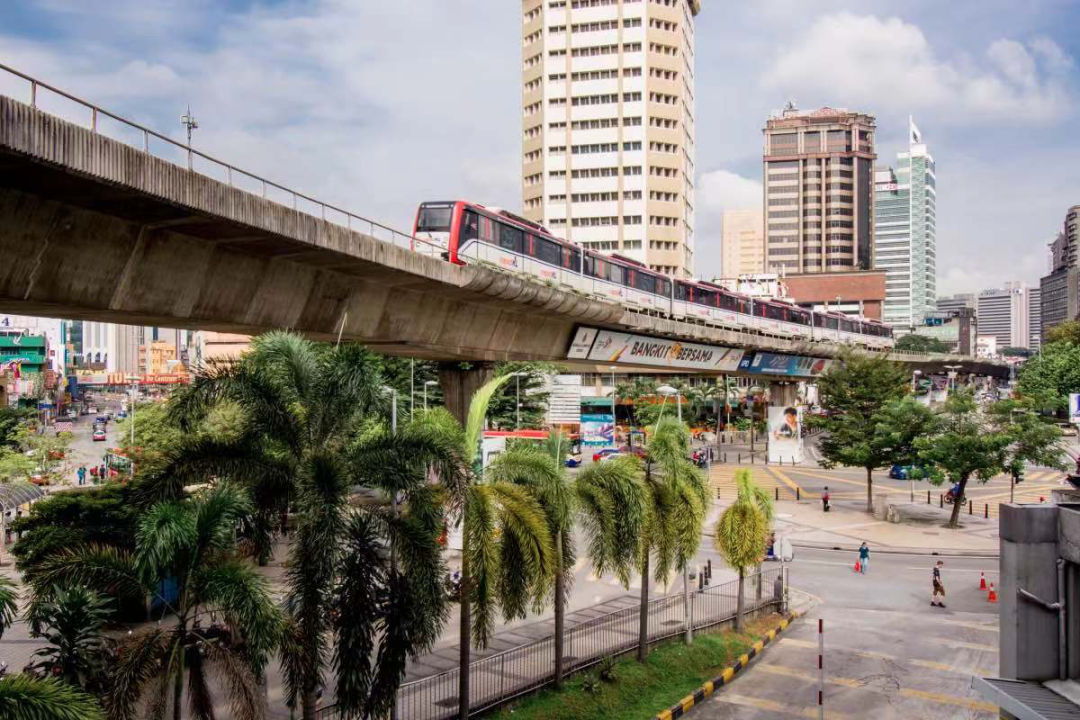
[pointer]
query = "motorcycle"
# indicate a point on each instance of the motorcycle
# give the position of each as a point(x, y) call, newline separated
point(452, 585)
point(950, 498)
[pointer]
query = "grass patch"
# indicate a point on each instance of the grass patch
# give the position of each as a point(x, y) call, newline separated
point(641, 690)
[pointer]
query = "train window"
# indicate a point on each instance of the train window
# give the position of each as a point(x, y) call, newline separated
point(547, 251)
point(510, 238)
point(615, 273)
point(435, 218)
point(470, 226)
point(645, 282)
point(487, 229)
point(681, 291)
point(663, 287)
point(575, 259)
point(592, 265)
point(704, 297)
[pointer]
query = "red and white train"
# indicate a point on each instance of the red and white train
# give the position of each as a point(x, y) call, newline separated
point(470, 233)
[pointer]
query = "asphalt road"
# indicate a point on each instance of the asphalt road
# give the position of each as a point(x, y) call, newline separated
point(888, 653)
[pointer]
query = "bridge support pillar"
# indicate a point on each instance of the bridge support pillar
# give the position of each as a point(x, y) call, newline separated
point(459, 381)
point(783, 392)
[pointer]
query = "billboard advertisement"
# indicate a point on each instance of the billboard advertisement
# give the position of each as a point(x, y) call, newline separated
point(785, 434)
point(598, 429)
point(605, 346)
point(765, 363)
point(1074, 408)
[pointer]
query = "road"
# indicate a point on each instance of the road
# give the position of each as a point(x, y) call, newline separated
point(888, 653)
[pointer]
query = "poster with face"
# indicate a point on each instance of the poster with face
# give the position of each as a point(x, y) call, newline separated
point(785, 434)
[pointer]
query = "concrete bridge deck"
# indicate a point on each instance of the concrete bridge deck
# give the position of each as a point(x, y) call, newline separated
point(94, 228)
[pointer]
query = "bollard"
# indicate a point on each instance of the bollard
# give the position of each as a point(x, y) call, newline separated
point(740, 459)
point(725, 458)
point(927, 497)
point(751, 459)
point(971, 507)
point(777, 494)
point(709, 565)
point(700, 580)
point(941, 500)
point(781, 460)
point(798, 494)
point(986, 511)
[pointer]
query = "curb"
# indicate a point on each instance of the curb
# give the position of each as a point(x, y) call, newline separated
point(698, 696)
point(851, 547)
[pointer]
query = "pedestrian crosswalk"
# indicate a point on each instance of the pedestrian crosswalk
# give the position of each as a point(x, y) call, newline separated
point(722, 480)
point(1037, 486)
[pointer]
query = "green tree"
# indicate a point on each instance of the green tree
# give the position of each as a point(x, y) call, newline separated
point(407, 376)
point(9, 604)
point(676, 501)
point(31, 453)
point(10, 420)
point(311, 432)
point(1032, 440)
point(27, 698)
point(899, 424)
point(1048, 378)
point(1068, 331)
point(104, 515)
point(193, 541)
point(741, 530)
point(1016, 352)
point(854, 391)
point(508, 560)
point(159, 433)
point(71, 622)
point(965, 444)
point(533, 395)
point(922, 343)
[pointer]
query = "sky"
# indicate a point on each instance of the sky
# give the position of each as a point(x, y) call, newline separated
point(378, 106)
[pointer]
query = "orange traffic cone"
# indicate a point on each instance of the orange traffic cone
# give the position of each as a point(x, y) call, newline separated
point(982, 581)
point(992, 597)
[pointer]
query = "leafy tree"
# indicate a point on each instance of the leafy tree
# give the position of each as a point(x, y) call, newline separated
point(854, 391)
point(900, 423)
point(676, 500)
point(1032, 440)
point(311, 432)
point(159, 433)
point(1049, 377)
point(104, 515)
point(741, 530)
point(23, 697)
point(964, 445)
point(407, 376)
point(1068, 331)
point(10, 420)
point(508, 560)
point(534, 396)
point(1016, 352)
point(71, 622)
point(30, 453)
point(922, 343)
point(193, 541)
point(635, 391)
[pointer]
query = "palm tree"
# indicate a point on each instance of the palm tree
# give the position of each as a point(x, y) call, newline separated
point(740, 532)
point(507, 556)
point(71, 621)
point(193, 541)
point(312, 433)
point(9, 603)
point(677, 500)
point(23, 697)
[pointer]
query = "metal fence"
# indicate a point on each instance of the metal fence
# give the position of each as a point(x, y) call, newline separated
point(498, 678)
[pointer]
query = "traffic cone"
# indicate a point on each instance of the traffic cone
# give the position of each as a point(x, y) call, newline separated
point(982, 581)
point(992, 597)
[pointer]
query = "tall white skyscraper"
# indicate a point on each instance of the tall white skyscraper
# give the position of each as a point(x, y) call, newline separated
point(905, 237)
point(608, 125)
point(1006, 313)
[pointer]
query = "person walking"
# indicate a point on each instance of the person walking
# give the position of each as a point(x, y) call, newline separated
point(938, 598)
point(101, 473)
point(864, 557)
point(825, 499)
point(81, 472)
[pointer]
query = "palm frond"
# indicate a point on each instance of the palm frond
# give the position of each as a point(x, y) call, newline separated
point(9, 603)
point(101, 567)
point(479, 520)
point(216, 515)
point(164, 539)
point(478, 408)
point(240, 684)
point(142, 669)
point(200, 699)
point(23, 697)
point(349, 385)
point(611, 498)
point(527, 561)
point(237, 590)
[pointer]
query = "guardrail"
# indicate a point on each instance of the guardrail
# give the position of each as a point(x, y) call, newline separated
point(502, 677)
point(232, 173)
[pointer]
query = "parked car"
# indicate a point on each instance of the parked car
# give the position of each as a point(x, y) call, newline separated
point(122, 414)
point(99, 435)
point(601, 454)
point(903, 472)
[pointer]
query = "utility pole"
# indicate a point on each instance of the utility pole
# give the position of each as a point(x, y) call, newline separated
point(189, 122)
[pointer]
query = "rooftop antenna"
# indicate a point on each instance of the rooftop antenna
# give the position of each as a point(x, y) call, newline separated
point(790, 106)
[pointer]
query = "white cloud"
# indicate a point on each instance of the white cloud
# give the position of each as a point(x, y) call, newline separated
point(888, 65)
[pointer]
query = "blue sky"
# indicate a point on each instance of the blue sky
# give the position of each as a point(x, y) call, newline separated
point(378, 106)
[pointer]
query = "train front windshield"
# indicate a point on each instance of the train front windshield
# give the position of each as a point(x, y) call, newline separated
point(435, 217)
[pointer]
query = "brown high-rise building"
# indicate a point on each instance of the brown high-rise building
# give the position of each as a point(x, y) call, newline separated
point(819, 191)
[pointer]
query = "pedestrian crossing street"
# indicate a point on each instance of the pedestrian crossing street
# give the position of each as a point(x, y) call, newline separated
point(722, 481)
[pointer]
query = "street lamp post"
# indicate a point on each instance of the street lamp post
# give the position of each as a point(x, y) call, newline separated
point(914, 377)
point(131, 459)
point(426, 384)
point(952, 376)
point(614, 394)
point(667, 391)
point(517, 402)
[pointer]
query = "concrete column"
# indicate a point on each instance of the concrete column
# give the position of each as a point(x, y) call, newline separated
point(459, 383)
point(783, 392)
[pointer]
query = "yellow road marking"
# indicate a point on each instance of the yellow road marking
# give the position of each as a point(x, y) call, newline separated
point(942, 667)
point(940, 698)
point(861, 483)
point(779, 475)
point(780, 708)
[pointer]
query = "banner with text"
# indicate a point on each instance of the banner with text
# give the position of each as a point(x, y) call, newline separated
point(765, 363)
point(606, 346)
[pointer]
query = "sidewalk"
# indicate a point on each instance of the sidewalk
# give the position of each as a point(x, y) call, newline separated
point(847, 525)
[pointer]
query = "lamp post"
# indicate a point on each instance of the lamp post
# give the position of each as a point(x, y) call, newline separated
point(914, 378)
point(134, 380)
point(667, 391)
point(614, 394)
point(426, 384)
point(952, 376)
